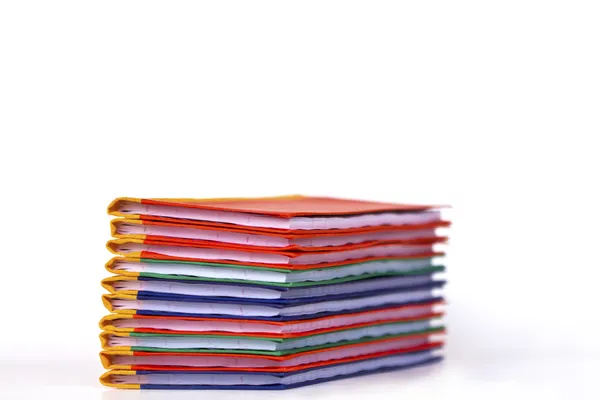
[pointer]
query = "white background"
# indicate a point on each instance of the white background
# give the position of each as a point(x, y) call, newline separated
point(492, 107)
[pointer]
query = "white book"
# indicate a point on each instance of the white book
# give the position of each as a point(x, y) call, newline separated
point(253, 310)
point(334, 353)
point(291, 379)
point(265, 275)
point(250, 292)
point(242, 326)
point(213, 254)
point(275, 222)
point(207, 342)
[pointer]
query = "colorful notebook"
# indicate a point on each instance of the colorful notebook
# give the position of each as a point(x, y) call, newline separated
point(269, 293)
point(288, 213)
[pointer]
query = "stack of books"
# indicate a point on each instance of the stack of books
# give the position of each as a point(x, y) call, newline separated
point(269, 293)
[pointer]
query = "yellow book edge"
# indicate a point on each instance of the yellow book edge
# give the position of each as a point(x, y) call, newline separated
point(113, 207)
point(105, 379)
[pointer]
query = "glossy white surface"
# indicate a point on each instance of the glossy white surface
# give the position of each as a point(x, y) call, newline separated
point(506, 377)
